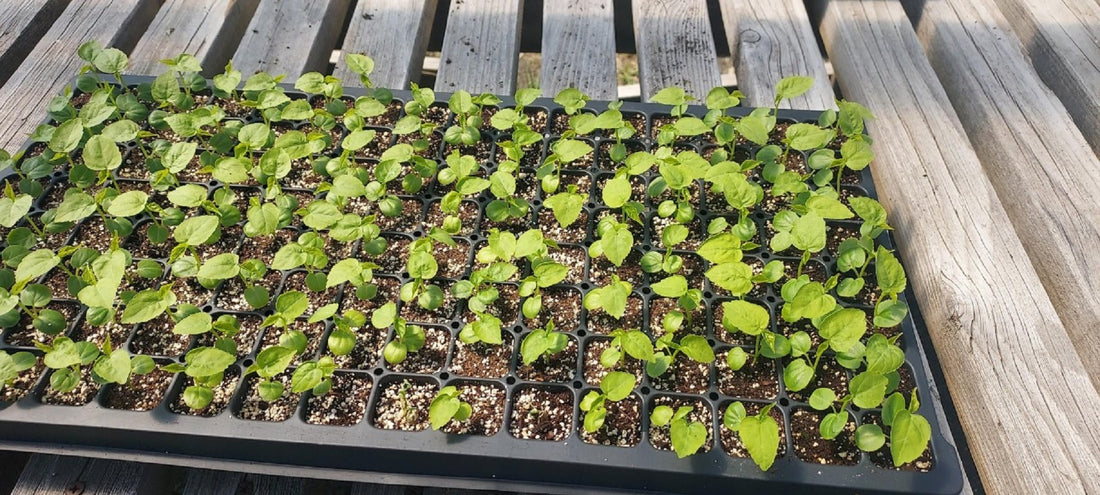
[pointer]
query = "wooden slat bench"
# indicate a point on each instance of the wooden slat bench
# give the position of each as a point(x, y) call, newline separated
point(1003, 274)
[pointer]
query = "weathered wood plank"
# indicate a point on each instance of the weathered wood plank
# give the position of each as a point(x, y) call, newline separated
point(261, 483)
point(1063, 39)
point(207, 29)
point(211, 482)
point(1032, 153)
point(394, 33)
point(675, 47)
point(481, 47)
point(1000, 342)
point(770, 40)
point(21, 26)
point(53, 62)
point(375, 489)
point(53, 474)
point(578, 48)
point(290, 38)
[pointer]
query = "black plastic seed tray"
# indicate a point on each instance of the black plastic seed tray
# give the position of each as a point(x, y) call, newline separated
point(360, 451)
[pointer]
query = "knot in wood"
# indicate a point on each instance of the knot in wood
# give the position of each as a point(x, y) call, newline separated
point(750, 36)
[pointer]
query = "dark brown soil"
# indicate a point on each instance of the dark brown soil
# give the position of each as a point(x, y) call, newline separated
point(487, 402)
point(542, 413)
point(559, 367)
point(600, 269)
point(189, 291)
point(407, 221)
point(155, 338)
point(403, 405)
point(810, 447)
point(700, 412)
point(297, 281)
point(757, 379)
point(685, 376)
point(141, 247)
point(562, 306)
point(483, 360)
point(344, 405)
point(622, 427)
point(143, 393)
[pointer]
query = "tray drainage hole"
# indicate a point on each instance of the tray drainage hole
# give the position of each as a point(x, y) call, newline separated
point(510, 380)
point(771, 299)
point(378, 372)
point(208, 308)
point(711, 342)
point(713, 396)
point(405, 275)
point(646, 291)
point(827, 259)
point(581, 333)
point(536, 203)
point(455, 325)
point(784, 402)
point(708, 294)
point(518, 329)
point(474, 237)
point(577, 384)
point(590, 204)
point(444, 376)
point(645, 390)
point(585, 286)
point(759, 215)
point(765, 255)
point(247, 362)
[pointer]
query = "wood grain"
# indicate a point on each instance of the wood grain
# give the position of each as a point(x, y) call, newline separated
point(53, 63)
point(210, 482)
point(54, 474)
point(375, 489)
point(392, 32)
point(208, 29)
point(1019, 390)
point(481, 47)
point(21, 26)
point(1063, 39)
point(770, 40)
point(675, 47)
point(578, 48)
point(291, 38)
point(1036, 158)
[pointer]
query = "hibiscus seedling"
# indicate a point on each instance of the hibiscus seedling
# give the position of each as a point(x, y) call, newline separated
point(687, 436)
point(758, 433)
point(447, 406)
point(406, 338)
point(12, 364)
point(615, 386)
point(66, 357)
point(634, 343)
point(542, 343)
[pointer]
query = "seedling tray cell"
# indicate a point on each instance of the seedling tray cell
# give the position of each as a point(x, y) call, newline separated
point(227, 440)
